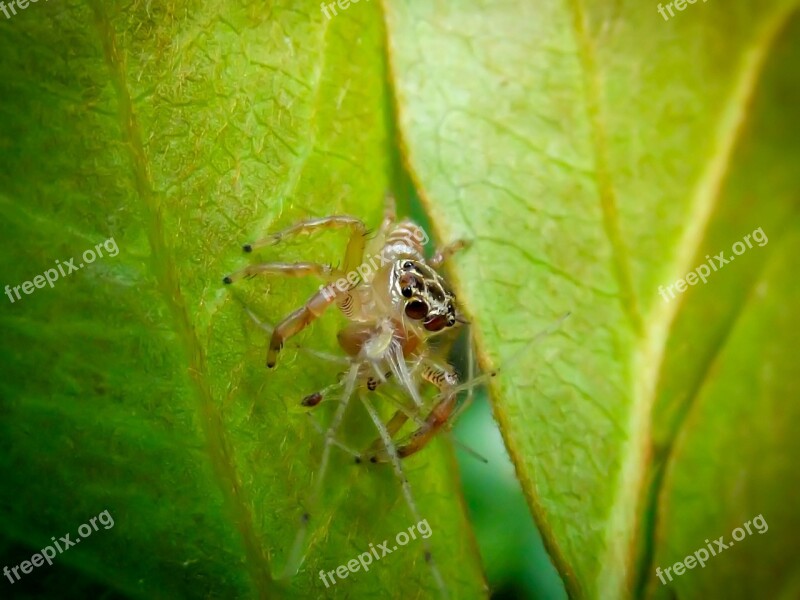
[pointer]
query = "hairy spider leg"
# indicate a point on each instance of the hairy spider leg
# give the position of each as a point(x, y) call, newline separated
point(406, 488)
point(341, 445)
point(298, 269)
point(445, 379)
point(442, 254)
point(436, 374)
point(355, 246)
point(393, 426)
point(298, 320)
point(315, 306)
point(403, 413)
point(386, 432)
point(310, 351)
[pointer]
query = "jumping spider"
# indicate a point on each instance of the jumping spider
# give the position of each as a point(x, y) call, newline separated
point(395, 306)
point(394, 309)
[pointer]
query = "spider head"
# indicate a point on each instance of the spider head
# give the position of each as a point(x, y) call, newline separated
point(425, 296)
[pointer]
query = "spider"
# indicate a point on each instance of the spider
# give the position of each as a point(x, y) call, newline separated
point(395, 302)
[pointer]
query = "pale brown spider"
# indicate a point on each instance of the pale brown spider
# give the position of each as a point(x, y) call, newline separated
point(395, 301)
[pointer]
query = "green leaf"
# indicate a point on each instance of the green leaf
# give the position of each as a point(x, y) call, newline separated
point(137, 384)
point(593, 152)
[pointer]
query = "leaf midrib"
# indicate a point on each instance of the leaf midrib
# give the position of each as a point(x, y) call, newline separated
point(647, 359)
point(163, 265)
point(707, 194)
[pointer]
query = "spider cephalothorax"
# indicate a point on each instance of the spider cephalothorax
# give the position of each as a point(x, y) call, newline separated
point(427, 297)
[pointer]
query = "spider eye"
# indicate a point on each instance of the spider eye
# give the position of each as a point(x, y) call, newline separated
point(416, 309)
point(437, 323)
point(409, 282)
point(451, 320)
point(408, 265)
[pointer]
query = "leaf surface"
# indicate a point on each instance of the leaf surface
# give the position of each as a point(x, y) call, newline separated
point(593, 152)
point(137, 383)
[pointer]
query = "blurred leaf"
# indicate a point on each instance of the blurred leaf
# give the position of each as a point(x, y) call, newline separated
point(594, 152)
point(136, 385)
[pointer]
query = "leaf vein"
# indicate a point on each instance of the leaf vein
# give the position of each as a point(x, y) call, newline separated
point(162, 264)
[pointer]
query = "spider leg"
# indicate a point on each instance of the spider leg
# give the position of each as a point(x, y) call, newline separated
point(315, 398)
point(301, 318)
point(355, 246)
point(445, 379)
point(322, 299)
point(310, 351)
point(298, 269)
point(296, 553)
point(395, 424)
point(334, 441)
point(403, 414)
point(374, 381)
point(442, 254)
point(406, 487)
point(389, 214)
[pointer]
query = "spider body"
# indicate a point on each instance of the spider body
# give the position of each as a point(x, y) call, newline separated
point(395, 301)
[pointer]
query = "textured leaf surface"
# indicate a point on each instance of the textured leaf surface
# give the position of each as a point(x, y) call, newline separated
point(591, 150)
point(136, 385)
point(594, 152)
